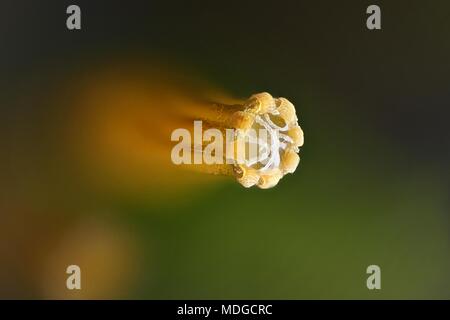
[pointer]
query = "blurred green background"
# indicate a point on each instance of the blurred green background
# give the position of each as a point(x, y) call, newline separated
point(372, 186)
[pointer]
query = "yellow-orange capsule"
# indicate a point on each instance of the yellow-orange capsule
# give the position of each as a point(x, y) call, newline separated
point(276, 147)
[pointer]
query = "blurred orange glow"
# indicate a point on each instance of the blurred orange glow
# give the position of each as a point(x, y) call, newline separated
point(120, 127)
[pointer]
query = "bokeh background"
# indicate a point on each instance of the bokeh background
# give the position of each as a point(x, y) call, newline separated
point(372, 186)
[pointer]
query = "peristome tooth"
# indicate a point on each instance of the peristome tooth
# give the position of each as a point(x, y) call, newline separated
point(296, 133)
point(249, 177)
point(286, 110)
point(265, 102)
point(289, 161)
point(267, 181)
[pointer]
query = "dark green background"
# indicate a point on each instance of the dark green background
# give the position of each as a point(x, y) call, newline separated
point(373, 183)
